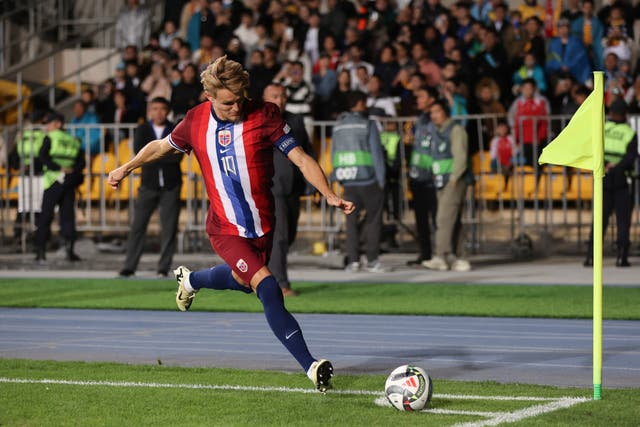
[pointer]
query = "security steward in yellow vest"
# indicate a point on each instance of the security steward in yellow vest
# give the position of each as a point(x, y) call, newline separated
point(63, 162)
point(620, 153)
point(25, 160)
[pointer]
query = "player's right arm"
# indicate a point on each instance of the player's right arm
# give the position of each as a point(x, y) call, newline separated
point(151, 152)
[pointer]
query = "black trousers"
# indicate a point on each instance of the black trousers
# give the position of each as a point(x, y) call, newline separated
point(620, 200)
point(369, 198)
point(287, 213)
point(425, 206)
point(148, 201)
point(63, 196)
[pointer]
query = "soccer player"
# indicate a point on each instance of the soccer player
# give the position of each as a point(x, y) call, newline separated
point(233, 139)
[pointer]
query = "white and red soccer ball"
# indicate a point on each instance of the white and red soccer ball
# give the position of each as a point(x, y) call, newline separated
point(408, 388)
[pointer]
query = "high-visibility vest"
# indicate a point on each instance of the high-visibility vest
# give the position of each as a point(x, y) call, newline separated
point(617, 137)
point(351, 155)
point(420, 161)
point(64, 151)
point(29, 145)
point(441, 154)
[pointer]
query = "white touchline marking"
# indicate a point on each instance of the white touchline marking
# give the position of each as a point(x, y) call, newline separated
point(532, 411)
point(256, 388)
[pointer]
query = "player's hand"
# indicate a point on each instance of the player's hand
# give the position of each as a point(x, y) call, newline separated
point(116, 176)
point(346, 206)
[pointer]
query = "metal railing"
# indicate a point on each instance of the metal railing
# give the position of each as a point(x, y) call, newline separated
point(507, 206)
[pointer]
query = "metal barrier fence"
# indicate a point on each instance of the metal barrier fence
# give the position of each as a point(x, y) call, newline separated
point(512, 207)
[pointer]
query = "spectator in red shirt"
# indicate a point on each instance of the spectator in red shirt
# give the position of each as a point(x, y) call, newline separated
point(527, 118)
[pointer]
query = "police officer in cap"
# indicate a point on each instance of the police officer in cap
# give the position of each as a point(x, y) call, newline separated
point(620, 152)
point(63, 162)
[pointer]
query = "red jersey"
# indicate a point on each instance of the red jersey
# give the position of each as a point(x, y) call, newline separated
point(529, 119)
point(236, 159)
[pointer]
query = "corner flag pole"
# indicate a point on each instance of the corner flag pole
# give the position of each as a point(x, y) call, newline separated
point(597, 128)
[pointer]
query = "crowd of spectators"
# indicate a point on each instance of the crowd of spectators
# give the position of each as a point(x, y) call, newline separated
point(483, 57)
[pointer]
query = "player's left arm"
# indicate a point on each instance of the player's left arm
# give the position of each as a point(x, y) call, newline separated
point(316, 177)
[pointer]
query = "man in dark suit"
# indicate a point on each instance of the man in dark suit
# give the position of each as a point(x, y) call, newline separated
point(288, 186)
point(160, 187)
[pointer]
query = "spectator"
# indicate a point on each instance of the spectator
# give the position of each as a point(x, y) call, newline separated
point(124, 114)
point(188, 10)
point(454, 93)
point(513, 38)
point(88, 96)
point(503, 150)
point(531, 9)
point(62, 158)
point(234, 51)
point(339, 102)
point(299, 92)
point(362, 80)
point(335, 20)
point(185, 56)
point(450, 166)
point(378, 102)
point(156, 84)
point(487, 100)
point(133, 25)
point(259, 76)
point(421, 175)
point(325, 81)
point(167, 35)
point(159, 188)
point(358, 165)
point(492, 61)
point(203, 56)
point(533, 40)
point(288, 186)
point(572, 11)
point(529, 70)
point(187, 93)
point(89, 136)
point(567, 54)
point(354, 60)
point(105, 107)
point(330, 47)
point(247, 32)
point(588, 28)
point(201, 22)
point(528, 119)
point(633, 97)
point(617, 41)
point(387, 68)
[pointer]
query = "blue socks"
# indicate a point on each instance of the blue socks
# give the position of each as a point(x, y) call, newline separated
point(282, 323)
point(218, 277)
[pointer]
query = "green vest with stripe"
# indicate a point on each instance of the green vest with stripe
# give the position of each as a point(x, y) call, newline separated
point(421, 160)
point(390, 142)
point(441, 154)
point(351, 155)
point(64, 151)
point(617, 137)
point(29, 145)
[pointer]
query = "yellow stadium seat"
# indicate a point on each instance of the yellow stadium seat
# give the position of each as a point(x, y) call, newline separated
point(490, 186)
point(552, 186)
point(581, 186)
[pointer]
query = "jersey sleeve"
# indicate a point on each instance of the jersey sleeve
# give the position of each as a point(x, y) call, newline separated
point(277, 131)
point(180, 136)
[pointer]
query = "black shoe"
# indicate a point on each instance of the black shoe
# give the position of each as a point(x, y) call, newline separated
point(622, 262)
point(588, 262)
point(73, 257)
point(415, 262)
point(40, 256)
point(126, 273)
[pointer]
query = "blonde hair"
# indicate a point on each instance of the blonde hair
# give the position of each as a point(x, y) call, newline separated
point(227, 74)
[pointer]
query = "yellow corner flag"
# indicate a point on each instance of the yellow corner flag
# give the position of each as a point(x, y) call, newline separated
point(581, 145)
point(574, 146)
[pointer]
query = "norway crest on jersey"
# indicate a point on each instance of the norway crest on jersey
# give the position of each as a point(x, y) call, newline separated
point(224, 137)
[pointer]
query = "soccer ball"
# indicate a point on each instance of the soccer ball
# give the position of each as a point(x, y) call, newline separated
point(408, 388)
